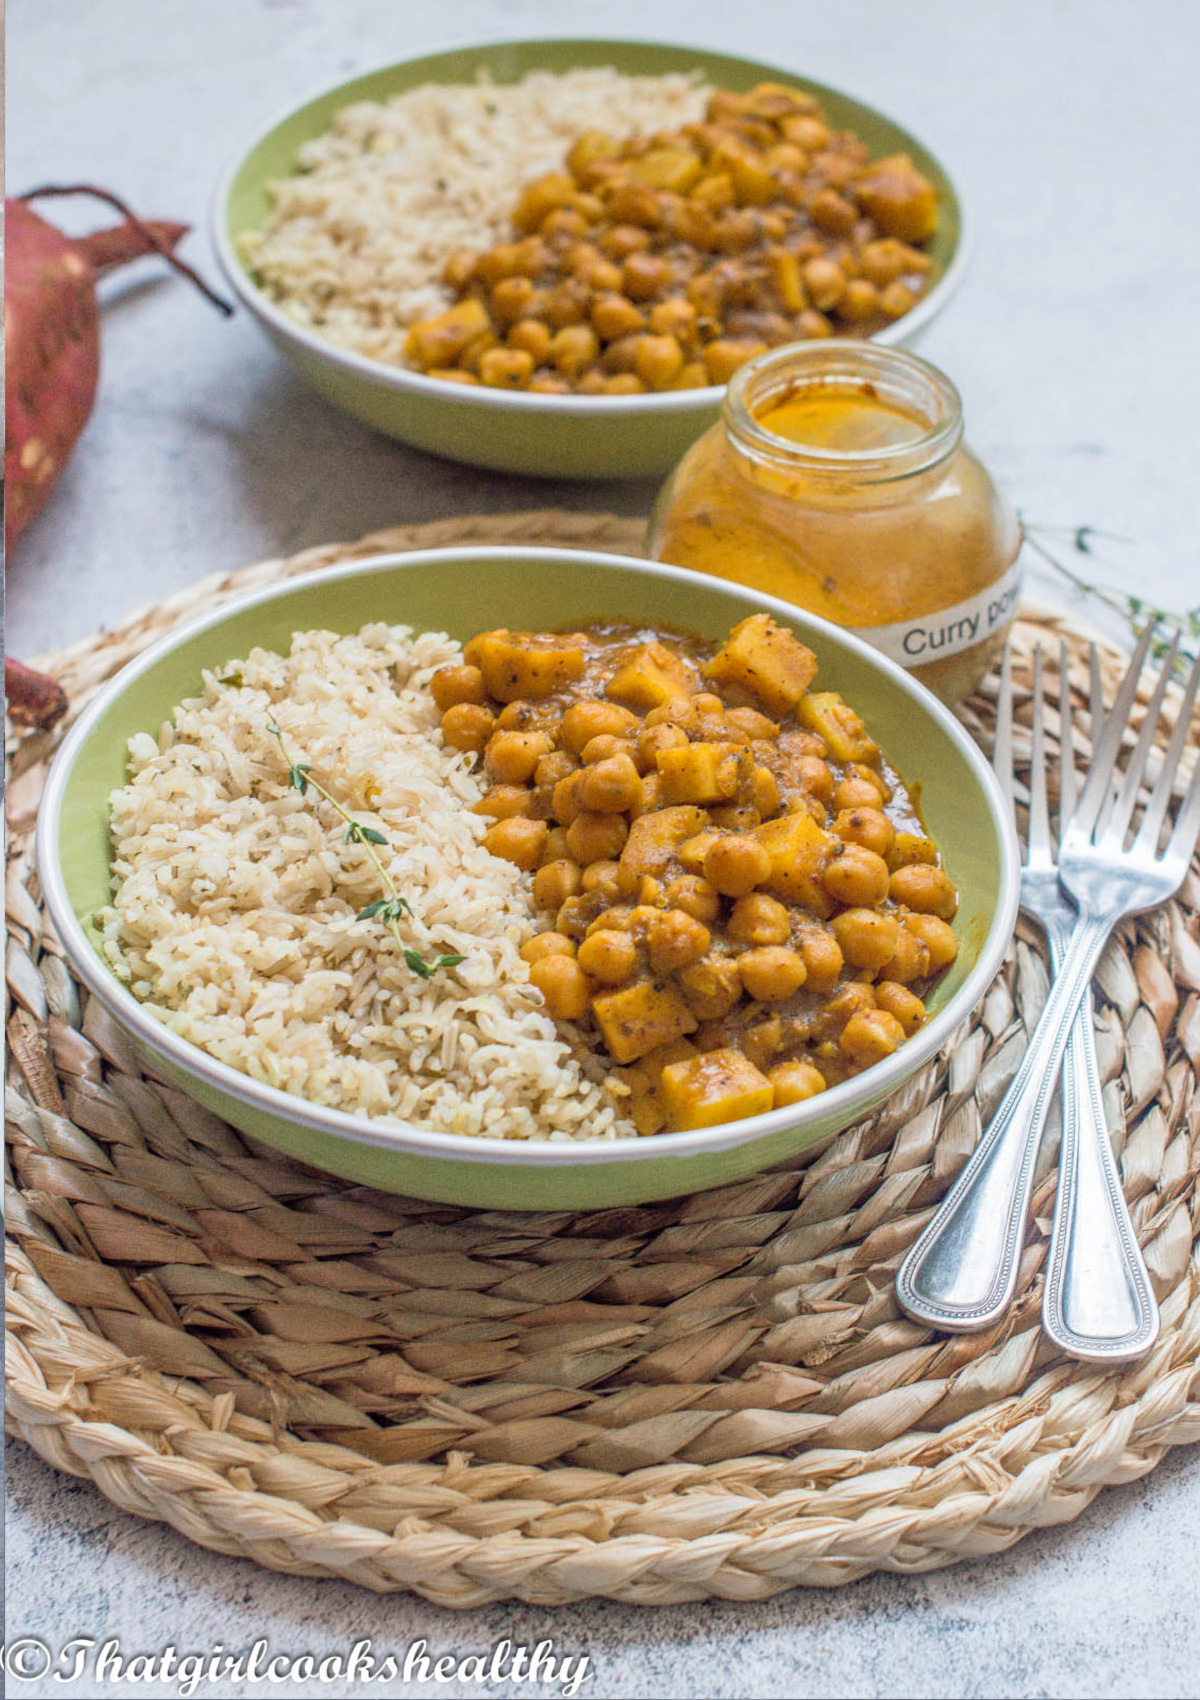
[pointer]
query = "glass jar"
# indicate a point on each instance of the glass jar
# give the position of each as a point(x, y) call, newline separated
point(837, 479)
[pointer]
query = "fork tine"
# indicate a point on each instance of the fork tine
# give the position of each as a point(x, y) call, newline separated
point(1066, 739)
point(1186, 831)
point(1039, 814)
point(1095, 694)
point(1160, 797)
point(1105, 749)
point(1122, 814)
point(1002, 747)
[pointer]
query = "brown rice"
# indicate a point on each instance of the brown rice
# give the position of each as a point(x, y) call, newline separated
point(235, 899)
point(355, 244)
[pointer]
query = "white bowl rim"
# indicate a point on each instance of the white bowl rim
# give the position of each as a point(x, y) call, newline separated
point(401, 1136)
point(401, 378)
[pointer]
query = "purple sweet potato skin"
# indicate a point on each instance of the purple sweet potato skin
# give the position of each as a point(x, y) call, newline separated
point(52, 336)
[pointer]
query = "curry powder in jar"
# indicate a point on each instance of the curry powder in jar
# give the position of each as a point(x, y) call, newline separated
point(837, 479)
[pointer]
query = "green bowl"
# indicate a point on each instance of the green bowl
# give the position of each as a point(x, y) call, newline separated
point(546, 436)
point(463, 591)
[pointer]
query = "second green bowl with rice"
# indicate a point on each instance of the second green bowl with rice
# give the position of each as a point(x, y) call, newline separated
point(460, 591)
point(573, 436)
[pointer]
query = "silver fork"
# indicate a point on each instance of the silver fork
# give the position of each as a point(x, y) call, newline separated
point(962, 1272)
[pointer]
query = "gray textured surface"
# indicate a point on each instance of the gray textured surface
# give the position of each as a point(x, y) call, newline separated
point(1069, 127)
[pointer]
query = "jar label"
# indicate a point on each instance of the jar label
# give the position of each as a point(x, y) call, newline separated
point(948, 631)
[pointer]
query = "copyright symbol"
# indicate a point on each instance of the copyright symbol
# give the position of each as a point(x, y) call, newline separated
point(26, 1659)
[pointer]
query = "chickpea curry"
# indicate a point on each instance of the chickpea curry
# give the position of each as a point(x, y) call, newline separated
point(740, 904)
point(665, 261)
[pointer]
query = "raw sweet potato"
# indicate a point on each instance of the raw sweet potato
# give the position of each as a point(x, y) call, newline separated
point(52, 336)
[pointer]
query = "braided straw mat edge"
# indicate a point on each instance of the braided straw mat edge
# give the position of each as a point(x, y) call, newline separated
point(710, 1396)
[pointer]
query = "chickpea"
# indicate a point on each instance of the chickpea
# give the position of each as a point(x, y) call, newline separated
point(833, 212)
point(856, 876)
point(612, 786)
point(822, 957)
point(652, 794)
point(810, 324)
point(624, 239)
point(676, 318)
point(564, 985)
point(534, 337)
point(517, 840)
point(658, 361)
point(573, 349)
point(554, 882)
point(618, 919)
point(911, 961)
point(553, 767)
point(695, 896)
point(549, 386)
point(795, 1081)
point(512, 757)
point(927, 890)
point(758, 919)
point(521, 716)
point(861, 300)
point(602, 276)
point(597, 837)
point(936, 936)
point(602, 748)
point(765, 789)
point(584, 721)
point(565, 799)
point(556, 849)
point(903, 1004)
point(872, 776)
point(762, 1042)
point(735, 864)
point(870, 1036)
point(724, 355)
point(675, 940)
point(825, 281)
point(816, 776)
point(868, 939)
point(624, 383)
point(567, 305)
point(741, 818)
point(501, 261)
point(610, 957)
point(896, 299)
point(772, 973)
point(909, 848)
point(855, 793)
point(452, 685)
point(614, 315)
point(644, 275)
point(604, 877)
point(512, 299)
point(506, 368)
point(547, 944)
point(650, 893)
point(756, 726)
point(502, 802)
point(868, 827)
point(467, 726)
point(655, 738)
point(711, 987)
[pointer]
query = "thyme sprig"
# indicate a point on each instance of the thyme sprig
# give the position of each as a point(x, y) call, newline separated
point(387, 909)
point(1167, 624)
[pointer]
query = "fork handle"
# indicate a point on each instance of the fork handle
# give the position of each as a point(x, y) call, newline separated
point(961, 1274)
point(1098, 1302)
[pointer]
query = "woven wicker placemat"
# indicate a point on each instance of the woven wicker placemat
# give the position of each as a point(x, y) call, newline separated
point(710, 1396)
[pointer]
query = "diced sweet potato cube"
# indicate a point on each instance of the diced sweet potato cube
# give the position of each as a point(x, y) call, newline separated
point(716, 1086)
point(640, 1017)
point(766, 659)
point(899, 198)
point(824, 713)
point(644, 1080)
point(650, 678)
point(799, 851)
point(703, 773)
point(518, 665)
point(653, 840)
